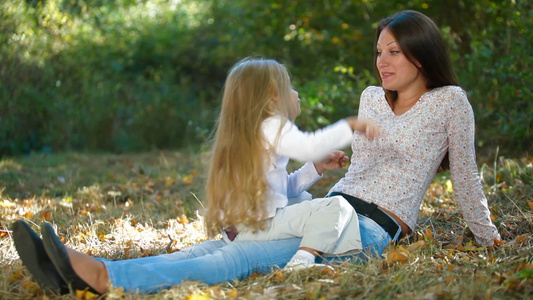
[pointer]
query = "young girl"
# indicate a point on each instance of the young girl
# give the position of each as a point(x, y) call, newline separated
point(248, 185)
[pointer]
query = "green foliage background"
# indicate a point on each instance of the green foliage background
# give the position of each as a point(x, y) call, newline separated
point(134, 75)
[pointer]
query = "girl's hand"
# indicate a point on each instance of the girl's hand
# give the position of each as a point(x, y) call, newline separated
point(336, 160)
point(366, 127)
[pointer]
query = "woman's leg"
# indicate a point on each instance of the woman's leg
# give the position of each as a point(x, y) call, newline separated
point(236, 260)
point(94, 272)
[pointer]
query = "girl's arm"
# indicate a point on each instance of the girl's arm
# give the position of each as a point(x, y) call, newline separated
point(335, 160)
point(315, 146)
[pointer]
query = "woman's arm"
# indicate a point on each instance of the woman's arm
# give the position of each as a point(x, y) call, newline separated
point(464, 171)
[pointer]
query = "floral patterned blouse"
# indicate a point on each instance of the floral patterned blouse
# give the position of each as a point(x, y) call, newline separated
point(395, 170)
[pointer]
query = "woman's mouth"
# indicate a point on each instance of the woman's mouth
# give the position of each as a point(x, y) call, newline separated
point(386, 75)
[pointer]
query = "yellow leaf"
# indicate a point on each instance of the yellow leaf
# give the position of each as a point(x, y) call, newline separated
point(398, 255)
point(469, 246)
point(449, 185)
point(416, 246)
point(86, 295)
point(169, 181)
point(279, 276)
point(232, 294)
point(183, 219)
point(6, 203)
point(530, 205)
point(197, 297)
point(188, 179)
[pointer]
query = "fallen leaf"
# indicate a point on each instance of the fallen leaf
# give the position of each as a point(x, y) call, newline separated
point(279, 276)
point(86, 295)
point(45, 215)
point(522, 239)
point(428, 233)
point(232, 294)
point(6, 204)
point(197, 297)
point(188, 179)
point(169, 181)
point(183, 219)
point(398, 255)
point(15, 276)
point(449, 186)
point(416, 246)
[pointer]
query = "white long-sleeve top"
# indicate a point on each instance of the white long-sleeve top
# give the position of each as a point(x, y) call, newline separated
point(395, 170)
point(301, 146)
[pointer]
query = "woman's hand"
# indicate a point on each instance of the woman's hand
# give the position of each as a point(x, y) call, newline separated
point(336, 160)
point(366, 127)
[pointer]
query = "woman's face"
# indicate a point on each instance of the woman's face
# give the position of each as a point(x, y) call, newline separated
point(396, 71)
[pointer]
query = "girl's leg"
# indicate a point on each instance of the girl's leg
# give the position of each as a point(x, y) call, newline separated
point(193, 251)
point(373, 237)
point(320, 222)
point(236, 260)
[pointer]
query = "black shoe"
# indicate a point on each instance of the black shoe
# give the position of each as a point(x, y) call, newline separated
point(59, 257)
point(31, 251)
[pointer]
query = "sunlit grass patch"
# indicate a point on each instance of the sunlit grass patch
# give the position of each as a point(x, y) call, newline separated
point(135, 205)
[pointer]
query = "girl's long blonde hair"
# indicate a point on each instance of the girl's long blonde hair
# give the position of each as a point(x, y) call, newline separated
point(237, 184)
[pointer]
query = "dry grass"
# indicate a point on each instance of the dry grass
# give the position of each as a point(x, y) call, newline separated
point(125, 206)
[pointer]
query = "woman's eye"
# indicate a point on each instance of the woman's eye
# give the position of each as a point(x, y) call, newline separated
point(378, 53)
point(395, 52)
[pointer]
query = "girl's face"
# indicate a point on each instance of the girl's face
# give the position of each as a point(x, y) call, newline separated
point(295, 100)
point(396, 71)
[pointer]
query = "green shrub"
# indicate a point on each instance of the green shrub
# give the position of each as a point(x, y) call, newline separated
point(133, 75)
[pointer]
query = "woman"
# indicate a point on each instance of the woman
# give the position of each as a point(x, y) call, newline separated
point(423, 115)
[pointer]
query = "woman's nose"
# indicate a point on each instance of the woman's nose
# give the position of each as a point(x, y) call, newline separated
point(382, 61)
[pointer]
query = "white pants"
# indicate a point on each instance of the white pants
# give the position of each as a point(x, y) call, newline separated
point(328, 225)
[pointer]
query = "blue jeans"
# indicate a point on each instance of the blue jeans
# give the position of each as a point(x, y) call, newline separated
point(214, 262)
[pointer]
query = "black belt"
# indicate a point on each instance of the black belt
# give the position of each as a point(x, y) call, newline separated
point(371, 211)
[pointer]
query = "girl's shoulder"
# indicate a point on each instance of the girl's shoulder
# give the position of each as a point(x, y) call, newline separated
point(273, 123)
